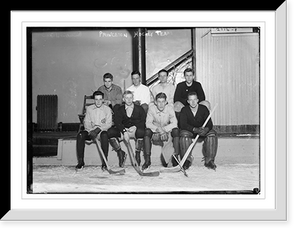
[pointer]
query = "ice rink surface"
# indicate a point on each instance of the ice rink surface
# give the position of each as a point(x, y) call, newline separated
point(64, 179)
point(237, 160)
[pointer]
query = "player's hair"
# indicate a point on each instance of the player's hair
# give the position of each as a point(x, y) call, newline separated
point(108, 75)
point(127, 92)
point(135, 72)
point(192, 94)
point(161, 95)
point(163, 70)
point(188, 70)
point(96, 93)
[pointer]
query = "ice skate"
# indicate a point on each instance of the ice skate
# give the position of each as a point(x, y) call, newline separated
point(210, 165)
point(79, 167)
point(146, 166)
point(122, 158)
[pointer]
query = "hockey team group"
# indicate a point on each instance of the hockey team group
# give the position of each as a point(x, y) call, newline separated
point(173, 117)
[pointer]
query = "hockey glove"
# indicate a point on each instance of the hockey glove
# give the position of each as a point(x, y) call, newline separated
point(94, 133)
point(201, 131)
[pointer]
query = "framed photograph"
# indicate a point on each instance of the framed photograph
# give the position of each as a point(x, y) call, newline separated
point(58, 60)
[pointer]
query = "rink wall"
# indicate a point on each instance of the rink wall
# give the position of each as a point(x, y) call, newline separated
point(243, 150)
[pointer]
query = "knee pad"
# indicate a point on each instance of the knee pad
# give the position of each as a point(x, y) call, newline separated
point(175, 132)
point(185, 133)
point(139, 133)
point(212, 133)
point(148, 132)
point(82, 135)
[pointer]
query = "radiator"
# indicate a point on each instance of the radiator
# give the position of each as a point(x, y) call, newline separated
point(46, 112)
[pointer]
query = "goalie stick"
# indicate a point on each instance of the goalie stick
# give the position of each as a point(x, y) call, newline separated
point(134, 163)
point(110, 171)
point(180, 165)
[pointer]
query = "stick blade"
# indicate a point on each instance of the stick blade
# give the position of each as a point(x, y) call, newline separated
point(121, 172)
point(152, 173)
point(170, 169)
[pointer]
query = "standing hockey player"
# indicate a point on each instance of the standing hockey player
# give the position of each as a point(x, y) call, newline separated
point(161, 130)
point(192, 118)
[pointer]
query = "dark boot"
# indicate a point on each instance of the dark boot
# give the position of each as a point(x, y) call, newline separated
point(139, 147)
point(121, 154)
point(80, 146)
point(147, 162)
point(209, 150)
point(104, 147)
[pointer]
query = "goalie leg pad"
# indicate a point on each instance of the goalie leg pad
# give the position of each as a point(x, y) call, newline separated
point(139, 144)
point(147, 141)
point(147, 148)
point(209, 149)
point(185, 142)
point(176, 140)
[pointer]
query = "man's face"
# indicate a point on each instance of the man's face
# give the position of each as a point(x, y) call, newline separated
point(189, 77)
point(107, 82)
point(128, 99)
point(162, 76)
point(193, 101)
point(161, 103)
point(136, 80)
point(98, 100)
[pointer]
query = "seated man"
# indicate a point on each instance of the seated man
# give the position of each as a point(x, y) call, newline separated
point(161, 129)
point(192, 118)
point(97, 120)
point(130, 121)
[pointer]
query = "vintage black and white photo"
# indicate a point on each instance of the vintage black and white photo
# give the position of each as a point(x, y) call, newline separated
point(135, 110)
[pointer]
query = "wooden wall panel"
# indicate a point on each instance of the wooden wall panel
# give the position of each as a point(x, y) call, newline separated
point(228, 69)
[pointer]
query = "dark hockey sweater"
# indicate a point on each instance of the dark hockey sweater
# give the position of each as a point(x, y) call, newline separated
point(188, 121)
point(182, 91)
point(137, 118)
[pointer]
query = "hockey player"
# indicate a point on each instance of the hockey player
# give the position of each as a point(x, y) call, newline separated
point(164, 87)
point(161, 130)
point(97, 121)
point(130, 121)
point(182, 90)
point(141, 92)
point(192, 118)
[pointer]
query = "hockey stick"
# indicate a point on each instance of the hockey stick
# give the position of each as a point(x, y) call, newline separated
point(134, 163)
point(180, 165)
point(181, 168)
point(110, 171)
